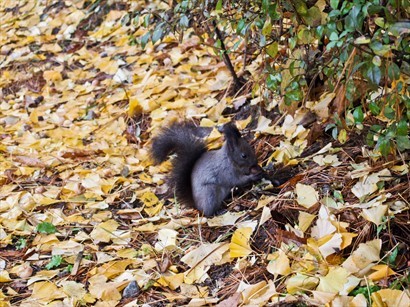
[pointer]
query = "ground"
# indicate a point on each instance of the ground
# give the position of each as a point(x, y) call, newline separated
point(85, 217)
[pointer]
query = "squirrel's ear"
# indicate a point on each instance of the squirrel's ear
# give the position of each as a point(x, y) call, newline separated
point(230, 131)
point(232, 135)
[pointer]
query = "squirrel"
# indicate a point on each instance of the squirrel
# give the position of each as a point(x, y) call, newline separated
point(200, 177)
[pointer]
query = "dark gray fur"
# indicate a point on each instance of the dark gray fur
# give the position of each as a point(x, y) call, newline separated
point(201, 178)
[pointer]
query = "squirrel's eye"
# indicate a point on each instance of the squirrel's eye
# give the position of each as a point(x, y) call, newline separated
point(243, 155)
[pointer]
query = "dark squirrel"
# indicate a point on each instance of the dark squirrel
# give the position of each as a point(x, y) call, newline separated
point(202, 178)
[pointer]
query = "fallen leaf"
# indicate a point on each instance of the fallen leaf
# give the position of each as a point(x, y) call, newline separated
point(239, 246)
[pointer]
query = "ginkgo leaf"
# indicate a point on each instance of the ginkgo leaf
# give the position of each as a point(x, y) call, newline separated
point(381, 271)
point(330, 245)
point(166, 237)
point(205, 254)
point(257, 294)
point(226, 219)
point(279, 263)
point(375, 214)
point(305, 220)
point(300, 282)
point(390, 298)
point(306, 195)
point(334, 280)
point(265, 216)
point(103, 232)
point(173, 281)
point(362, 259)
point(45, 291)
point(239, 246)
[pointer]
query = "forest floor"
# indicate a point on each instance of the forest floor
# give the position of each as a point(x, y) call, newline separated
point(84, 219)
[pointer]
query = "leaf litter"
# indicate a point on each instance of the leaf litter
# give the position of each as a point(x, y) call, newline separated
point(78, 106)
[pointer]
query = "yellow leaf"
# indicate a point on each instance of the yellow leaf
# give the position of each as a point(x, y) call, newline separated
point(264, 200)
point(73, 289)
point(205, 255)
point(300, 282)
point(257, 294)
point(50, 75)
point(129, 253)
point(306, 195)
point(113, 268)
point(331, 245)
point(334, 281)
point(278, 264)
point(375, 214)
point(166, 237)
point(4, 276)
point(104, 231)
point(134, 107)
point(305, 220)
point(361, 260)
point(381, 271)
point(226, 219)
point(172, 281)
point(347, 239)
point(239, 246)
point(149, 199)
point(46, 291)
point(390, 298)
point(342, 137)
point(151, 211)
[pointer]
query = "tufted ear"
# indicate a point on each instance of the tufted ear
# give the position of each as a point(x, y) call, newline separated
point(232, 135)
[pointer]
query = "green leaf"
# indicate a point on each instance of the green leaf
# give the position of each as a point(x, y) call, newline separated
point(373, 74)
point(294, 95)
point(402, 128)
point(272, 49)
point(21, 243)
point(400, 28)
point(379, 49)
point(354, 20)
point(403, 142)
point(377, 61)
point(273, 11)
point(335, 132)
point(370, 139)
point(393, 71)
point(267, 28)
point(334, 36)
point(292, 42)
point(144, 39)
point(374, 108)
point(362, 40)
point(391, 259)
point(384, 145)
point(146, 20)
point(380, 22)
point(350, 90)
point(184, 21)
point(55, 262)
point(241, 27)
point(46, 227)
point(273, 80)
point(358, 115)
point(218, 5)
point(157, 35)
point(301, 7)
point(334, 4)
point(389, 112)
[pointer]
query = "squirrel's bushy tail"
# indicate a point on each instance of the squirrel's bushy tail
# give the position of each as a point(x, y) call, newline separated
point(181, 139)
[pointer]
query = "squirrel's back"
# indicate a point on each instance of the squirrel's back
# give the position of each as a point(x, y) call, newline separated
point(179, 138)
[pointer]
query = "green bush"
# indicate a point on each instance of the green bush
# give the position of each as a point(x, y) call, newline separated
point(358, 48)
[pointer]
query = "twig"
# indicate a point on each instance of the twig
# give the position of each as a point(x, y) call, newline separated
point(226, 58)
